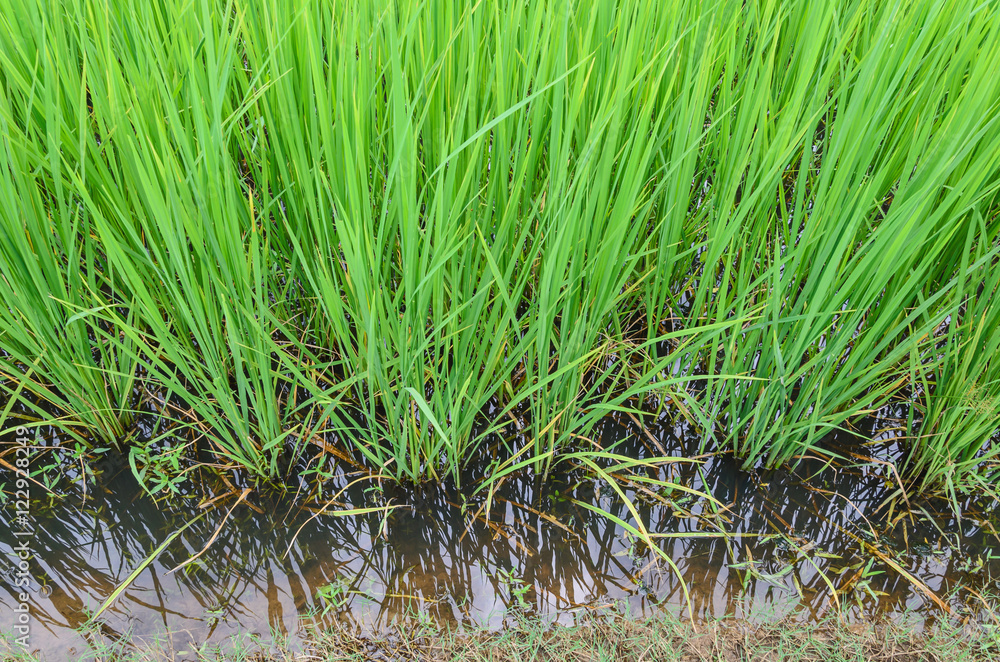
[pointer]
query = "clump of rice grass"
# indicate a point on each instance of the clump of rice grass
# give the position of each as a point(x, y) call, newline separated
point(844, 248)
point(407, 227)
point(52, 359)
point(960, 393)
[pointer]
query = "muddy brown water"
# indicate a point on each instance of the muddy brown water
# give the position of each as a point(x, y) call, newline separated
point(799, 543)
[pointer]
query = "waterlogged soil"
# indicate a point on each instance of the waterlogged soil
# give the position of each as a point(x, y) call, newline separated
point(827, 538)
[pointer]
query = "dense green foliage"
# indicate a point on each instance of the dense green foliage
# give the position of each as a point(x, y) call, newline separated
point(406, 225)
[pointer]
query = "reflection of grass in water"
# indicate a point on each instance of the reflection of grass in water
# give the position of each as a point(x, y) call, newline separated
point(551, 561)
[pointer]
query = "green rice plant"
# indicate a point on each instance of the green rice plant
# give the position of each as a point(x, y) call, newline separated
point(961, 390)
point(464, 231)
point(847, 275)
point(174, 237)
point(610, 121)
point(182, 231)
point(411, 282)
point(50, 267)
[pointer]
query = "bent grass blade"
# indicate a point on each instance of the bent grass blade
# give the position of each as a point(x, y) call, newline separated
point(139, 569)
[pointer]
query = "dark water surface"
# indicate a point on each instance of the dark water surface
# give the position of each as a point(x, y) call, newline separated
point(274, 568)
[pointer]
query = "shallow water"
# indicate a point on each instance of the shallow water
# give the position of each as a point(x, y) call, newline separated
point(274, 568)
